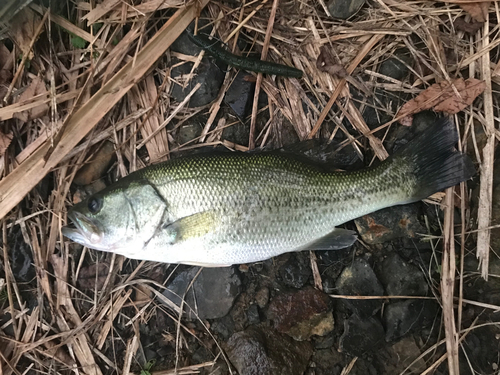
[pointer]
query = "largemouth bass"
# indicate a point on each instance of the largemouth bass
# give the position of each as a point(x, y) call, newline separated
point(229, 208)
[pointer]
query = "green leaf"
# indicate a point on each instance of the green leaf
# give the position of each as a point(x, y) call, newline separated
point(78, 42)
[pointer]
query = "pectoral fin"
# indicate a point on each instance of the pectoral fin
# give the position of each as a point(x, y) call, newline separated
point(336, 240)
point(192, 226)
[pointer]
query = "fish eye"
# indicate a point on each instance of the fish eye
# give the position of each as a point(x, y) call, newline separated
point(94, 205)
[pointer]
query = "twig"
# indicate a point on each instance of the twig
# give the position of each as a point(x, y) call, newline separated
point(486, 179)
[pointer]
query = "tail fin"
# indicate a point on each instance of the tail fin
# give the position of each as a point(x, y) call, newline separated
point(437, 165)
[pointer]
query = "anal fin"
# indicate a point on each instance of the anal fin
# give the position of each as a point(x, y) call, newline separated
point(337, 239)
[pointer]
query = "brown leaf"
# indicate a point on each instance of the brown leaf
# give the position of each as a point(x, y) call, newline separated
point(442, 97)
point(468, 27)
point(23, 27)
point(93, 276)
point(5, 140)
point(478, 11)
point(36, 87)
point(6, 60)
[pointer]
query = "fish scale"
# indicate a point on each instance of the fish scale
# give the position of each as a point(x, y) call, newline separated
point(225, 208)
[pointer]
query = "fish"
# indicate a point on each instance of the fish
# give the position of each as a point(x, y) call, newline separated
point(220, 209)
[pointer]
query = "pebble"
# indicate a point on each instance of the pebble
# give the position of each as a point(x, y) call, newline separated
point(344, 9)
point(409, 316)
point(188, 132)
point(302, 314)
point(212, 294)
point(400, 278)
point(406, 351)
point(361, 336)
point(400, 318)
point(296, 272)
point(261, 350)
point(208, 74)
point(397, 67)
point(22, 264)
point(262, 297)
point(358, 279)
point(239, 95)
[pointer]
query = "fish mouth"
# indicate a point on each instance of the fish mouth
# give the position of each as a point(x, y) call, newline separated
point(82, 230)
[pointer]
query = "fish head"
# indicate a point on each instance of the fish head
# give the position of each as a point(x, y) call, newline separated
point(121, 219)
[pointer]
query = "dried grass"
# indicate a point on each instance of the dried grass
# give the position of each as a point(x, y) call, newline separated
point(107, 91)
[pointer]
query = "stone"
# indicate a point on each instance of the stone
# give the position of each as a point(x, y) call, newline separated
point(237, 133)
point(401, 354)
point(302, 314)
point(408, 316)
point(397, 67)
point(296, 272)
point(212, 294)
point(262, 297)
point(260, 350)
point(358, 279)
point(21, 254)
point(361, 336)
point(208, 74)
point(390, 223)
point(239, 95)
point(188, 132)
point(344, 9)
point(400, 278)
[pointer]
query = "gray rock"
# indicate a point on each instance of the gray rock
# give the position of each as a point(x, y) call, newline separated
point(403, 317)
point(397, 67)
point(239, 95)
point(400, 278)
point(359, 279)
point(402, 354)
point(260, 350)
point(188, 131)
point(361, 336)
point(22, 259)
point(208, 74)
point(344, 9)
point(212, 294)
point(296, 271)
point(237, 133)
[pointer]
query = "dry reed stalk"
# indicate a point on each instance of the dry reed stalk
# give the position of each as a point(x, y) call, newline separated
point(448, 284)
point(360, 56)
point(486, 182)
point(265, 47)
point(82, 121)
point(68, 319)
point(111, 310)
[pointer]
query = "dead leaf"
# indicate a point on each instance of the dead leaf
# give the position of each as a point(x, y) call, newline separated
point(6, 61)
point(468, 27)
point(36, 87)
point(327, 62)
point(93, 276)
point(442, 98)
point(478, 11)
point(5, 140)
point(23, 28)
